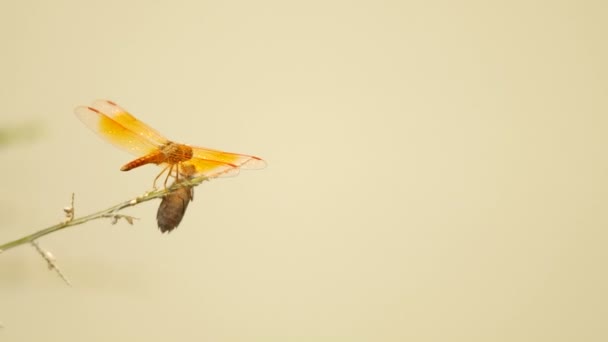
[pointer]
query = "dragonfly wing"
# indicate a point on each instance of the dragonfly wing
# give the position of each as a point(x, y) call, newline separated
point(130, 122)
point(113, 132)
point(209, 168)
point(242, 161)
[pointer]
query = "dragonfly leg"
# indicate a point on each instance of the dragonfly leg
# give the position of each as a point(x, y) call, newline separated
point(168, 174)
point(157, 177)
point(177, 167)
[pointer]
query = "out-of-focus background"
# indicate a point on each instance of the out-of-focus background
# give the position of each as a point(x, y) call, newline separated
point(437, 170)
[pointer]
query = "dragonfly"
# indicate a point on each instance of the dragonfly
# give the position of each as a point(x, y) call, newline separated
point(123, 130)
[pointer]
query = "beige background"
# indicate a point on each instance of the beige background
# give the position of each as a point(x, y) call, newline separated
point(437, 171)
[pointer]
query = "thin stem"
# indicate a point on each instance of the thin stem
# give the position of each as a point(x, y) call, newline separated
point(110, 212)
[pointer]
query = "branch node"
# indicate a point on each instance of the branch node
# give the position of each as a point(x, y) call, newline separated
point(69, 212)
point(116, 217)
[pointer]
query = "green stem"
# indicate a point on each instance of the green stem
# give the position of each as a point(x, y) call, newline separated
point(110, 212)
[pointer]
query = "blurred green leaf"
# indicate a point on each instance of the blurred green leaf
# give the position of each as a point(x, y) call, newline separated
point(20, 133)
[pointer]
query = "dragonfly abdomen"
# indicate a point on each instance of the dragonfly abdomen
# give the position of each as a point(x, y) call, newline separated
point(154, 158)
point(171, 153)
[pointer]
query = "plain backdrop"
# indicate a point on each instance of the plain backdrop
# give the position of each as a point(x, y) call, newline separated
point(437, 170)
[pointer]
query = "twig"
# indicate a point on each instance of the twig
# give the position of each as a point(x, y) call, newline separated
point(110, 212)
point(50, 260)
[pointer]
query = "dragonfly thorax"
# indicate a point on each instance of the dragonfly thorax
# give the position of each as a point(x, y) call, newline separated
point(176, 153)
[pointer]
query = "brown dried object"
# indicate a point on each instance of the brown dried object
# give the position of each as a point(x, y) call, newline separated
point(173, 207)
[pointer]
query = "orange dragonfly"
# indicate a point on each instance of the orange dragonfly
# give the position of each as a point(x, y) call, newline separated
point(124, 131)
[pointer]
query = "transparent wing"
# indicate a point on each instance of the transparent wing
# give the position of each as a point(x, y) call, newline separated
point(210, 168)
point(130, 122)
point(243, 161)
point(114, 132)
